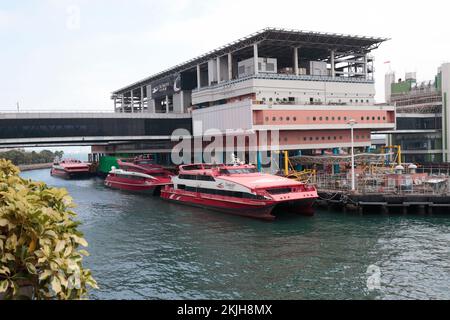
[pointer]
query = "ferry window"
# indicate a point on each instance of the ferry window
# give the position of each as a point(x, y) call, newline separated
point(351, 100)
point(373, 118)
point(327, 119)
point(379, 118)
point(267, 118)
point(205, 178)
point(193, 167)
point(270, 67)
point(187, 177)
point(281, 118)
point(181, 186)
point(323, 138)
point(367, 101)
point(314, 118)
point(295, 118)
point(311, 100)
point(384, 118)
point(340, 137)
point(310, 138)
point(332, 118)
point(317, 138)
point(288, 118)
point(304, 139)
point(339, 118)
point(157, 174)
point(345, 118)
point(334, 138)
point(238, 171)
point(320, 118)
point(329, 138)
point(274, 119)
point(362, 118)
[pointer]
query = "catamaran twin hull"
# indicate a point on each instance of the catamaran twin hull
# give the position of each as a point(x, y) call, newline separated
point(265, 210)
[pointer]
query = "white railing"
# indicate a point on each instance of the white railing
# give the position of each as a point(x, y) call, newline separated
point(278, 76)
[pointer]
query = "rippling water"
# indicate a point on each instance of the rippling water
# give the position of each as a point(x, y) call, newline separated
point(144, 248)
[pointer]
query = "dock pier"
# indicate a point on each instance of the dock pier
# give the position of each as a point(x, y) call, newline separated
point(384, 203)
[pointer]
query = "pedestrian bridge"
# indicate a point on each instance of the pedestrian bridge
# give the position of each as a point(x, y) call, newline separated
point(46, 129)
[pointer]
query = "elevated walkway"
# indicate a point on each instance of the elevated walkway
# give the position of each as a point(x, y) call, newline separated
point(33, 129)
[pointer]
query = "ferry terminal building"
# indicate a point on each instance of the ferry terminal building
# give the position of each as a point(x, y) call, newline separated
point(307, 85)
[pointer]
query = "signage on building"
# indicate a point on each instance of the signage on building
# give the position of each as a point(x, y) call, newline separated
point(172, 84)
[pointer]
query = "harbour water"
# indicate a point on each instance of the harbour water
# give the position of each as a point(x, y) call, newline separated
point(144, 248)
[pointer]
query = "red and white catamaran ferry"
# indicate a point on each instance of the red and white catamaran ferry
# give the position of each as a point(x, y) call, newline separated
point(71, 169)
point(138, 176)
point(239, 189)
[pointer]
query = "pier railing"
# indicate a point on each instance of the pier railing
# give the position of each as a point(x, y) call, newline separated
point(383, 184)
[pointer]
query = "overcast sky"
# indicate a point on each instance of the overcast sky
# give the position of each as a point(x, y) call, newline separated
point(50, 59)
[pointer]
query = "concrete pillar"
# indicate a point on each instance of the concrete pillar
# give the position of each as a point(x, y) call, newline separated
point(336, 168)
point(258, 161)
point(199, 82)
point(296, 61)
point(167, 104)
point(230, 66)
point(142, 99)
point(182, 101)
point(299, 167)
point(123, 104)
point(151, 106)
point(366, 72)
point(333, 65)
point(115, 104)
point(255, 58)
point(132, 102)
point(218, 70)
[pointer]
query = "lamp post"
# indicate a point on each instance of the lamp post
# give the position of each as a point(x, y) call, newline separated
point(352, 122)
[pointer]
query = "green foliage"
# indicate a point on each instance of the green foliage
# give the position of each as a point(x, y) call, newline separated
point(39, 240)
point(19, 157)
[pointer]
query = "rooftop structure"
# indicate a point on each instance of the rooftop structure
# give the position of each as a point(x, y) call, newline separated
point(279, 42)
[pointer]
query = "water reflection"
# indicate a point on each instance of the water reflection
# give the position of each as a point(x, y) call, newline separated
point(144, 248)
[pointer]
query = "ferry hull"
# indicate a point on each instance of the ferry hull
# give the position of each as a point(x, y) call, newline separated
point(263, 210)
point(134, 188)
point(69, 175)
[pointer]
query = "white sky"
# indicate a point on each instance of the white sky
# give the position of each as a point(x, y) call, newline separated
point(47, 62)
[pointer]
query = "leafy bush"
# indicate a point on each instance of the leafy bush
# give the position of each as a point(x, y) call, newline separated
point(39, 240)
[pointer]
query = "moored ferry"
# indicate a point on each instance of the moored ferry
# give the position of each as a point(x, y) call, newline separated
point(144, 165)
point(239, 189)
point(135, 181)
point(71, 169)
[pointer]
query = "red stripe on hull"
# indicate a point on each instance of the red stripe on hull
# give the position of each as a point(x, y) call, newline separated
point(257, 209)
